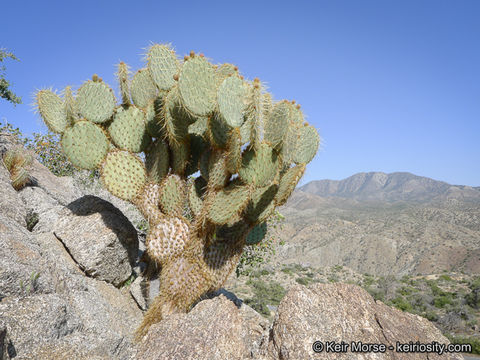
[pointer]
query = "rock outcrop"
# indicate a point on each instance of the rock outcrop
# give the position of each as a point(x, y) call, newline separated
point(60, 299)
point(343, 312)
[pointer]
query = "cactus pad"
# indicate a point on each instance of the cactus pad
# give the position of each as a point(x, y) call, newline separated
point(122, 75)
point(157, 161)
point(142, 88)
point(276, 123)
point(234, 151)
point(162, 65)
point(153, 125)
point(128, 129)
point(96, 101)
point(52, 110)
point(232, 232)
point(127, 182)
point(224, 71)
point(176, 119)
point(85, 145)
point(197, 86)
point(287, 183)
point(307, 146)
point(228, 204)
point(257, 234)
point(217, 170)
point(179, 157)
point(259, 167)
point(218, 131)
point(292, 137)
point(231, 101)
point(172, 195)
point(195, 195)
point(199, 127)
point(261, 204)
point(70, 105)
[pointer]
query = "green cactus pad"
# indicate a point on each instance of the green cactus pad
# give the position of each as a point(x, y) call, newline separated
point(162, 65)
point(276, 123)
point(52, 110)
point(123, 174)
point(258, 108)
point(261, 204)
point(128, 129)
point(259, 167)
point(196, 191)
point(232, 232)
point(197, 86)
point(70, 105)
point(153, 124)
point(172, 195)
point(218, 131)
point(143, 89)
point(122, 75)
point(157, 161)
point(176, 119)
point(96, 101)
point(199, 127)
point(231, 100)
point(234, 153)
point(288, 182)
point(257, 234)
point(246, 130)
point(307, 146)
point(217, 170)
point(179, 157)
point(228, 204)
point(224, 71)
point(85, 145)
point(297, 116)
point(292, 137)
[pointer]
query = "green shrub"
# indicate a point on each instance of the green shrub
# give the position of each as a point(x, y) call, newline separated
point(303, 280)
point(445, 277)
point(265, 294)
point(442, 300)
point(368, 280)
point(377, 294)
point(431, 315)
point(400, 303)
point(287, 270)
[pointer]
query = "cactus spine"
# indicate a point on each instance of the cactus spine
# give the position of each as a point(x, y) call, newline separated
point(188, 118)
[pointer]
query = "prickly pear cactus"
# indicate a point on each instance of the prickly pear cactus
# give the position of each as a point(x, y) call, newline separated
point(219, 156)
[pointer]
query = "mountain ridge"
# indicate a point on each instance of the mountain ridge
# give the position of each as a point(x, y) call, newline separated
point(391, 187)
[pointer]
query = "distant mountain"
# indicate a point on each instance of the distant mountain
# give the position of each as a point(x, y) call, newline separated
point(383, 224)
point(398, 186)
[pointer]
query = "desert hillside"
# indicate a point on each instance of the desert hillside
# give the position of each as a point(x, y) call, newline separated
point(383, 224)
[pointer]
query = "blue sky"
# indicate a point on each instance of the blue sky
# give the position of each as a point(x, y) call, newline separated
point(390, 85)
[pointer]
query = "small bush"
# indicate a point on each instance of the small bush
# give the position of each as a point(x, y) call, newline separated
point(431, 316)
point(303, 280)
point(442, 300)
point(445, 277)
point(400, 303)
